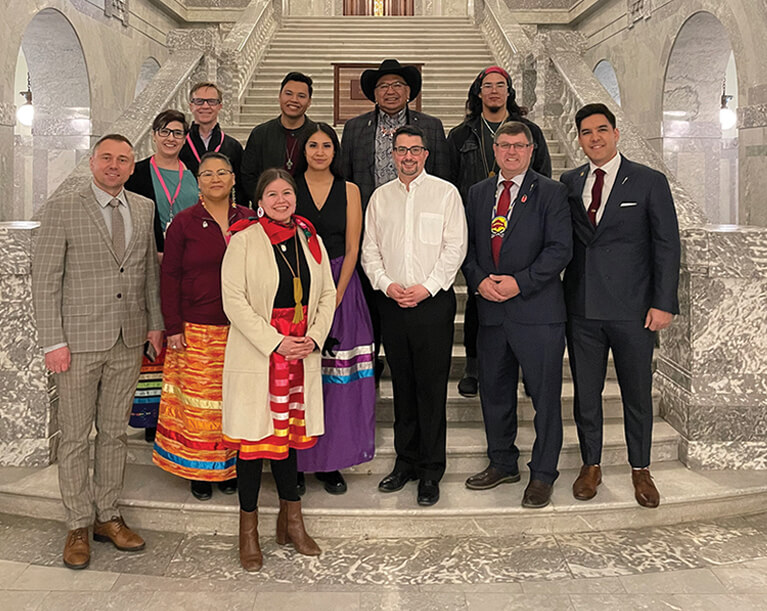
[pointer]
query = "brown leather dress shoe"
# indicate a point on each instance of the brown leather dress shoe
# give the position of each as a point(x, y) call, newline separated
point(77, 550)
point(585, 487)
point(645, 492)
point(117, 531)
point(490, 478)
point(537, 494)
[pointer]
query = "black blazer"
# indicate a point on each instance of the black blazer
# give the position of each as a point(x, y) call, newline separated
point(630, 261)
point(141, 182)
point(536, 248)
point(358, 149)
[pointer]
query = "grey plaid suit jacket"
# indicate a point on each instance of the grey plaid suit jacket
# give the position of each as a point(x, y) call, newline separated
point(358, 149)
point(82, 294)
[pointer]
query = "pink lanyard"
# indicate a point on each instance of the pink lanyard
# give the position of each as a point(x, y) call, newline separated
point(164, 186)
point(194, 149)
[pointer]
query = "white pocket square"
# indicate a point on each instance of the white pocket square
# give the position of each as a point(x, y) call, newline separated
point(628, 204)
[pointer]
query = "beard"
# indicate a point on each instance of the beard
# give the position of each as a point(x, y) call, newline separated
point(494, 108)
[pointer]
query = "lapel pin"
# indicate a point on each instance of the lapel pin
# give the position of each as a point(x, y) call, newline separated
point(524, 199)
point(205, 223)
point(583, 172)
point(624, 180)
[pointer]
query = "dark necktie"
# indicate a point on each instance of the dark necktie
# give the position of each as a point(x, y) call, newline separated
point(118, 229)
point(501, 210)
point(596, 195)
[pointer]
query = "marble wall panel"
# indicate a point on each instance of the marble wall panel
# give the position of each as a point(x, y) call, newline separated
point(674, 402)
point(718, 422)
point(25, 453)
point(724, 455)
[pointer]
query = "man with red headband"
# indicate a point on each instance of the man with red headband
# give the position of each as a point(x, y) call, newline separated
point(491, 103)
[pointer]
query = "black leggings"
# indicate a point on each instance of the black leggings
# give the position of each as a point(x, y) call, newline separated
point(249, 479)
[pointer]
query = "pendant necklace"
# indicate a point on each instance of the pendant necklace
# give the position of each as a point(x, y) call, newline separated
point(489, 169)
point(289, 152)
point(298, 289)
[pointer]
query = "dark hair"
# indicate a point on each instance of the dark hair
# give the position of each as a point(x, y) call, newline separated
point(202, 84)
point(593, 109)
point(298, 77)
point(474, 102)
point(169, 116)
point(409, 130)
point(115, 137)
point(335, 165)
point(214, 155)
point(268, 176)
point(514, 128)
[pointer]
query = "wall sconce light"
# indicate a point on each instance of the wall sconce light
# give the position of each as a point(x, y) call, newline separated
point(26, 112)
point(727, 116)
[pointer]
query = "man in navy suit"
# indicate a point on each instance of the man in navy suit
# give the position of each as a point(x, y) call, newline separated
point(520, 240)
point(620, 288)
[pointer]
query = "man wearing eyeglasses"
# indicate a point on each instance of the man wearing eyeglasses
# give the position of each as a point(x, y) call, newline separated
point(520, 240)
point(367, 145)
point(414, 243)
point(275, 144)
point(491, 102)
point(205, 135)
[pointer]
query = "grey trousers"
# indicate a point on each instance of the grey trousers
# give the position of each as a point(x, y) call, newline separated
point(98, 387)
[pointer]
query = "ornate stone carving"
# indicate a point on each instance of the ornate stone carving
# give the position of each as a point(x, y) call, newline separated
point(117, 9)
point(7, 114)
point(638, 10)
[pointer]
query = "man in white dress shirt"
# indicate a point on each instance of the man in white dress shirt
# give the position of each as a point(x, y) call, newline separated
point(415, 241)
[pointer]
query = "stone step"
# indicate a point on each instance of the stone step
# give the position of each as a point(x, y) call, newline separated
point(463, 409)
point(466, 447)
point(153, 499)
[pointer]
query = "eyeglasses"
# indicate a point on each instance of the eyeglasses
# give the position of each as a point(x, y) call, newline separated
point(490, 86)
point(203, 101)
point(164, 132)
point(517, 146)
point(206, 174)
point(396, 86)
point(413, 150)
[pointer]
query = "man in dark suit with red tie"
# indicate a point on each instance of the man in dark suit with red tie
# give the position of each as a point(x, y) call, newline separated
point(620, 288)
point(520, 240)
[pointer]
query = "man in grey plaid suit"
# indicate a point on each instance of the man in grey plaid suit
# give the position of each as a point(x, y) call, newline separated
point(95, 283)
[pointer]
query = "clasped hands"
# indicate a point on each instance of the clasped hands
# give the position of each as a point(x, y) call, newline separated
point(498, 288)
point(296, 348)
point(407, 297)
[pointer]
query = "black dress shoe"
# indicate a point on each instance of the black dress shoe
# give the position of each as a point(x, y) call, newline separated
point(428, 492)
point(301, 484)
point(202, 491)
point(537, 494)
point(396, 480)
point(468, 386)
point(490, 478)
point(229, 486)
point(150, 433)
point(333, 480)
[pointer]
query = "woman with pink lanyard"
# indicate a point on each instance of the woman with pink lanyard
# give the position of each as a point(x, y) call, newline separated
point(165, 180)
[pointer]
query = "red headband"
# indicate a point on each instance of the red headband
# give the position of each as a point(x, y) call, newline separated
point(497, 70)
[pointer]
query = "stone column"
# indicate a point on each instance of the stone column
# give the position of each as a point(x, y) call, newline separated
point(712, 366)
point(27, 408)
point(7, 123)
point(752, 159)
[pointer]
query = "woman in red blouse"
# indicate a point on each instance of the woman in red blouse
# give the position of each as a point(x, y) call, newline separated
point(188, 441)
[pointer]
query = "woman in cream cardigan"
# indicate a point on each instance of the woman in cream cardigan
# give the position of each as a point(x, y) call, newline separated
point(279, 295)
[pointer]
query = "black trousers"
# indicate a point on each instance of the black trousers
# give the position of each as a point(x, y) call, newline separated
point(588, 343)
point(371, 297)
point(249, 479)
point(539, 350)
point(418, 343)
point(470, 326)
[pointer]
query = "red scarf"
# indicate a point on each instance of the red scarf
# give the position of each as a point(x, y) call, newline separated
point(278, 232)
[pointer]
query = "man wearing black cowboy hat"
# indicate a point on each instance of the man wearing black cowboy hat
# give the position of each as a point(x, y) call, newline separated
point(366, 147)
point(490, 104)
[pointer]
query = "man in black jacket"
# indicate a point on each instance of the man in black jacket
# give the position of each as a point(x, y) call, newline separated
point(620, 289)
point(205, 135)
point(491, 103)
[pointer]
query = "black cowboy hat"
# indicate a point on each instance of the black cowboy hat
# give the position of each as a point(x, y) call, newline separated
point(411, 74)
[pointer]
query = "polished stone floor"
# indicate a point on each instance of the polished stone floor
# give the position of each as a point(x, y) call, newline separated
point(721, 564)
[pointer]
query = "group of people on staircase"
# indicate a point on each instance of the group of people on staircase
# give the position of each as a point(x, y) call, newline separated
point(273, 320)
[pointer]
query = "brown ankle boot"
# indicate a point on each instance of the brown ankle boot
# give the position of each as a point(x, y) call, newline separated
point(290, 529)
point(250, 551)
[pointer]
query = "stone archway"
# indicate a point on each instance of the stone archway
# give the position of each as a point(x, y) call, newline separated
point(605, 74)
point(148, 69)
point(60, 135)
point(701, 154)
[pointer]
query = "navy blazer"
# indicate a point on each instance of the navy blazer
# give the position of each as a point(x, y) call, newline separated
point(630, 261)
point(536, 248)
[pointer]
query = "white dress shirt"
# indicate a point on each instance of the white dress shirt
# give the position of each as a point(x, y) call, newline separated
point(415, 236)
point(611, 172)
point(517, 180)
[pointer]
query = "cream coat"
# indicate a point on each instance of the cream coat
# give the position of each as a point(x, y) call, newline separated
point(249, 280)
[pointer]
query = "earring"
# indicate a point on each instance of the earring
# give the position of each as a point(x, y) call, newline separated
point(260, 212)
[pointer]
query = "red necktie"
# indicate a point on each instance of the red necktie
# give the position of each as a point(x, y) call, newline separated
point(596, 195)
point(501, 210)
